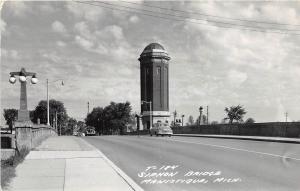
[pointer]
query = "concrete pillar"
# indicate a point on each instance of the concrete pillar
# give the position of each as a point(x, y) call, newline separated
point(23, 137)
point(23, 113)
point(23, 96)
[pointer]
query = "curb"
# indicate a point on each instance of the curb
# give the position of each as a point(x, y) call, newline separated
point(122, 174)
point(286, 140)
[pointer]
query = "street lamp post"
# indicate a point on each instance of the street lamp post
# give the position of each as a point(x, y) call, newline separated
point(150, 111)
point(23, 113)
point(175, 115)
point(200, 110)
point(48, 107)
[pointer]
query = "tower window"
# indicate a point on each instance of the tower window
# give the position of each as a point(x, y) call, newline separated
point(158, 70)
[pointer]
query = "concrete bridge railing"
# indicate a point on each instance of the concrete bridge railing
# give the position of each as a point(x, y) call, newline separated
point(272, 129)
point(27, 136)
point(30, 136)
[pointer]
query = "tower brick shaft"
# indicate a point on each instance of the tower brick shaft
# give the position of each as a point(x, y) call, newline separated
point(154, 73)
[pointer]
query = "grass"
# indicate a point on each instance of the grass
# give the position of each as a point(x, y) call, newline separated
point(8, 166)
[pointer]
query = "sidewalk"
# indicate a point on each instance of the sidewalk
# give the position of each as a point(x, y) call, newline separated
point(254, 138)
point(71, 164)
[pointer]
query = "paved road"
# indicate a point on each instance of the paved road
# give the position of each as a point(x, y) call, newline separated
point(203, 163)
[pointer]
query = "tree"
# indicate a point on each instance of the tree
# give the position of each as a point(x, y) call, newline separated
point(96, 119)
point(204, 119)
point(191, 120)
point(81, 127)
point(117, 116)
point(235, 113)
point(55, 108)
point(10, 116)
point(250, 120)
point(111, 119)
point(132, 120)
point(31, 116)
point(71, 125)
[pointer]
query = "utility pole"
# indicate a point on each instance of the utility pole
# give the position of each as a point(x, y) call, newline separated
point(88, 105)
point(200, 110)
point(48, 104)
point(286, 116)
point(56, 121)
point(150, 103)
point(48, 108)
point(175, 115)
point(207, 115)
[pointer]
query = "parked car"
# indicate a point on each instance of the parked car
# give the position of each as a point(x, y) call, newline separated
point(161, 129)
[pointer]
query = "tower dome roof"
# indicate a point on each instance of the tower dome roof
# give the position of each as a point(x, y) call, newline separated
point(154, 45)
point(154, 50)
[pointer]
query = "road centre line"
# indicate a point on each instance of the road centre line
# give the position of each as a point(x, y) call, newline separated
point(231, 148)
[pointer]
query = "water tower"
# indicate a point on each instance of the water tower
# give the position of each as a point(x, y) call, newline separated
point(154, 73)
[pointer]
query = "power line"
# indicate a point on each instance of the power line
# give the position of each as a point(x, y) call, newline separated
point(206, 20)
point(167, 18)
point(202, 14)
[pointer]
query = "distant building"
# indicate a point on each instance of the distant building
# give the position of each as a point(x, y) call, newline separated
point(154, 73)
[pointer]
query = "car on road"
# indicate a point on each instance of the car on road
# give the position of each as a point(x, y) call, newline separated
point(90, 131)
point(161, 129)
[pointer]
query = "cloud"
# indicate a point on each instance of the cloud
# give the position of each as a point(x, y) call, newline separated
point(47, 8)
point(14, 54)
point(58, 27)
point(110, 40)
point(236, 78)
point(53, 57)
point(101, 49)
point(89, 13)
point(60, 43)
point(110, 33)
point(83, 29)
point(134, 19)
point(18, 8)
point(209, 65)
point(115, 30)
point(86, 44)
point(2, 25)
point(10, 54)
point(290, 14)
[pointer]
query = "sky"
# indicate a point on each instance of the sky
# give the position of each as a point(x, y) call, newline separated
point(96, 50)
